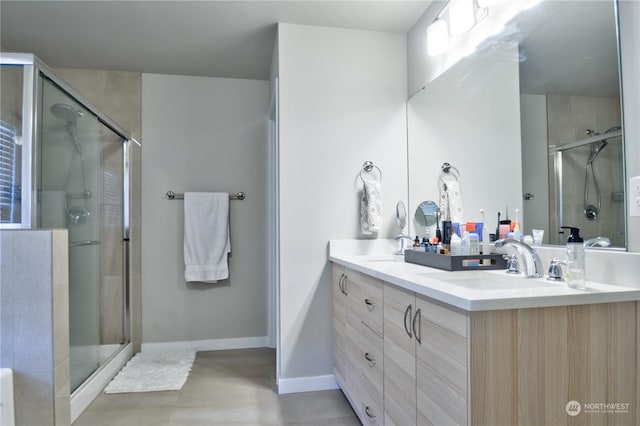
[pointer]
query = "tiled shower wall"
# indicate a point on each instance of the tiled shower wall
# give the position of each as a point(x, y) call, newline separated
point(118, 95)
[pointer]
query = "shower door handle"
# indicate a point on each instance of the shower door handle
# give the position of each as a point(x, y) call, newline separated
point(528, 196)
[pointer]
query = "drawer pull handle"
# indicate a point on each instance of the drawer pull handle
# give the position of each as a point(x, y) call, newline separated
point(407, 314)
point(418, 332)
point(368, 412)
point(342, 284)
point(368, 358)
point(369, 303)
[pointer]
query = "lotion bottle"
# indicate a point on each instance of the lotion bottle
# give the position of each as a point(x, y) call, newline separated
point(575, 259)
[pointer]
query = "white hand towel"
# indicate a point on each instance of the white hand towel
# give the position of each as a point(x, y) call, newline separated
point(206, 236)
point(371, 208)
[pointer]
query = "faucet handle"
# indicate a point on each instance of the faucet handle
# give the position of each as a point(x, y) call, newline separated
point(512, 264)
point(555, 269)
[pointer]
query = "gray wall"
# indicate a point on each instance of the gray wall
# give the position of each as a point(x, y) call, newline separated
point(342, 102)
point(203, 134)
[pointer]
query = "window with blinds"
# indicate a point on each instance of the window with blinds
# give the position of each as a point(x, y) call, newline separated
point(9, 184)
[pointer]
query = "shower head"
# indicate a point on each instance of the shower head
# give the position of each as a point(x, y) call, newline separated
point(596, 147)
point(66, 113)
point(70, 115)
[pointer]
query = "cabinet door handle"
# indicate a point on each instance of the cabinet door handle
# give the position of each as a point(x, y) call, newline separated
point(369, 303)
point(344, 285)
point(418, 332)
point(407, 314)
point(340, 283)
point(369, 359)
point(368, 412)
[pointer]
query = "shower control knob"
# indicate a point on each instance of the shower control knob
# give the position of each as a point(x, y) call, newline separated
point(528, 196)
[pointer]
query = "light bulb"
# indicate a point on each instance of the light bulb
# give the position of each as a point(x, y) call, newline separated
point(487, 3)
point(461, 16)
point(437, 37)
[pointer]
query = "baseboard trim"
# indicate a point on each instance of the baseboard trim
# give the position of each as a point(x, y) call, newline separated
point(307, 384)
point(208, 345)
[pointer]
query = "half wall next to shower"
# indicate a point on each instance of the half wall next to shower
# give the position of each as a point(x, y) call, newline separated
point(65, 165)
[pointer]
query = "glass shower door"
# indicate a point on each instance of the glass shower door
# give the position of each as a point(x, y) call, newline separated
point(80, 188)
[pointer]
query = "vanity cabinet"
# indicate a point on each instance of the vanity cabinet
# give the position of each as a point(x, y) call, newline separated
point(399, 357)
point(425, 360)
point(432, 363)
point(358, 344)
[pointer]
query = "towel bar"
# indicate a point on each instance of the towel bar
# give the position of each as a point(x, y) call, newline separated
point(177, 196)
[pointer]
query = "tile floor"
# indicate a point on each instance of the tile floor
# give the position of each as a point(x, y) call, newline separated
point(233, 387)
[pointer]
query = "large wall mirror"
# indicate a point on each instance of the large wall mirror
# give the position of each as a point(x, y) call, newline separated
point(532, 122)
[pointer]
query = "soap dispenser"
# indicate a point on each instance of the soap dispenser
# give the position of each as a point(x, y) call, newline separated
point(575, 258)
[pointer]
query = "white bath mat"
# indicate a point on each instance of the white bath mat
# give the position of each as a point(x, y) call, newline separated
point(151, 372)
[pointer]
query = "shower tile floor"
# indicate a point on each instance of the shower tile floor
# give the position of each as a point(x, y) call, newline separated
point(234, 387)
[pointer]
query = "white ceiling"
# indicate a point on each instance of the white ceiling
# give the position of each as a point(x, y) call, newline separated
point(231, 39)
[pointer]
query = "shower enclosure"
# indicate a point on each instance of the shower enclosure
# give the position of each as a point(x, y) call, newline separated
point(64, 164)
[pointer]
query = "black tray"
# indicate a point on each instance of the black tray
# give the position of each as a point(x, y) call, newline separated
point(456, 263)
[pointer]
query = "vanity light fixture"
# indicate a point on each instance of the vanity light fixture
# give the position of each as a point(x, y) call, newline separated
point(437, 37)
point(461, 15)
point(486, 3)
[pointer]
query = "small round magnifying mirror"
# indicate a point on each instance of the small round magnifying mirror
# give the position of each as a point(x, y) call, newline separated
point(426, 214)
point(401, 215)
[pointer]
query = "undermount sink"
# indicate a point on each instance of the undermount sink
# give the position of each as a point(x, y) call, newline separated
point(484, 280)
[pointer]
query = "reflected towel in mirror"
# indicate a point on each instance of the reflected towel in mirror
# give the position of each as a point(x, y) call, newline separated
point(451, 201)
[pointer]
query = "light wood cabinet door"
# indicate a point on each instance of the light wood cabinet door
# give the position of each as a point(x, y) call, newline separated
point(399, 357)
point(345, 297)
point(441, 364)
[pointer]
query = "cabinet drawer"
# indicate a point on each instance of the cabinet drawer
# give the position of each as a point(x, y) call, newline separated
point(364, 348)
point(368, 409)
point(370, 299)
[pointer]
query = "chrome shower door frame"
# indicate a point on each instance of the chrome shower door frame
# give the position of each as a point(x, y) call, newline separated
point(33, 68)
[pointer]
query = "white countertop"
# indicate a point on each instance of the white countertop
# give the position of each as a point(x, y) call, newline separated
point(470, 290)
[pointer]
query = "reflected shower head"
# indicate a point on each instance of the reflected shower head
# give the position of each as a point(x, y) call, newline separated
point(596, 147)
point(66, 113)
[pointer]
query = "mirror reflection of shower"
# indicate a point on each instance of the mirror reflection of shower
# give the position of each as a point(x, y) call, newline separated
point(75, 214)
point(591, 211)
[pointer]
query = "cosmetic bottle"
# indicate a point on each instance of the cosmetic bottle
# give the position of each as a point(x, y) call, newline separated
point(575, 259)
point(456, 245)
point(464, 245)
point(515, 227)
point(473, 246)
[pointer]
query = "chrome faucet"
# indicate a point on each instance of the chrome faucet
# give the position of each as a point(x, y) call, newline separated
point(555, 269)
point(532, 264)
point(402, 237)
point(597, 242)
